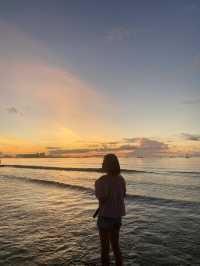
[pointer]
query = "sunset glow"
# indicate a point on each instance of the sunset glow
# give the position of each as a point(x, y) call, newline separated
point(113, 87)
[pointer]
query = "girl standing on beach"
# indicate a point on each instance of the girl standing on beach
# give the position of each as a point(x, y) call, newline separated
point(110, 189)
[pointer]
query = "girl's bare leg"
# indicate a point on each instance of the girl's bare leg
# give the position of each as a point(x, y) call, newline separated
point(105, 247)
point(114, 239)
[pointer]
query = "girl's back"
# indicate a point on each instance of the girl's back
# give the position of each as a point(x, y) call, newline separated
point(111, 189)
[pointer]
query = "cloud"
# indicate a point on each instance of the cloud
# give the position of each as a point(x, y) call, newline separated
point(113, 142)
point(193, 137)
point(119, 34)
point(143, 147)
point(195, 64)
point(95, 150)
point(12, 110)
point(149, 147)
point(130, 140)
point(139, 147)
point(58, 152)
point(124, 33)
point(192, 101)
point(196, 61)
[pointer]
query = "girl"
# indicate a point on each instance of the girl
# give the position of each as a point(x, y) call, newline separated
point(110, 189)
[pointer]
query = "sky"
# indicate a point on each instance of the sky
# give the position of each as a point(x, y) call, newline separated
point(90, 77)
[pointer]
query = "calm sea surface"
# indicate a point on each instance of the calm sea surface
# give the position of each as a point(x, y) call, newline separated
point(46, 214)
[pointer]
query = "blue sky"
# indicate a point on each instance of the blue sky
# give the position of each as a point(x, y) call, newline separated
point(139, 59)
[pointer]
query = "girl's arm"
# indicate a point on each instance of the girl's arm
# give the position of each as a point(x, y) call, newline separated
point(100, 192)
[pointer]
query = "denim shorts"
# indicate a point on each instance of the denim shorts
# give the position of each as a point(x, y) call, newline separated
point(108, 223)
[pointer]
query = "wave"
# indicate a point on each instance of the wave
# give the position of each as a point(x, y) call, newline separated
point(184, 172)
point(129, 197)
point(163, 201)
point(51, 183)
point(75, 169)
point(97, 170)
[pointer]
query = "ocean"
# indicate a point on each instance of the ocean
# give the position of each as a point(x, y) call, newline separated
point(46, 214)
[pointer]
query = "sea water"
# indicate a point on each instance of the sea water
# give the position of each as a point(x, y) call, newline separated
point(46, 214)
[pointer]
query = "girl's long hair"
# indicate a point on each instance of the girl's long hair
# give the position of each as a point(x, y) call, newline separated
point(111, 164)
